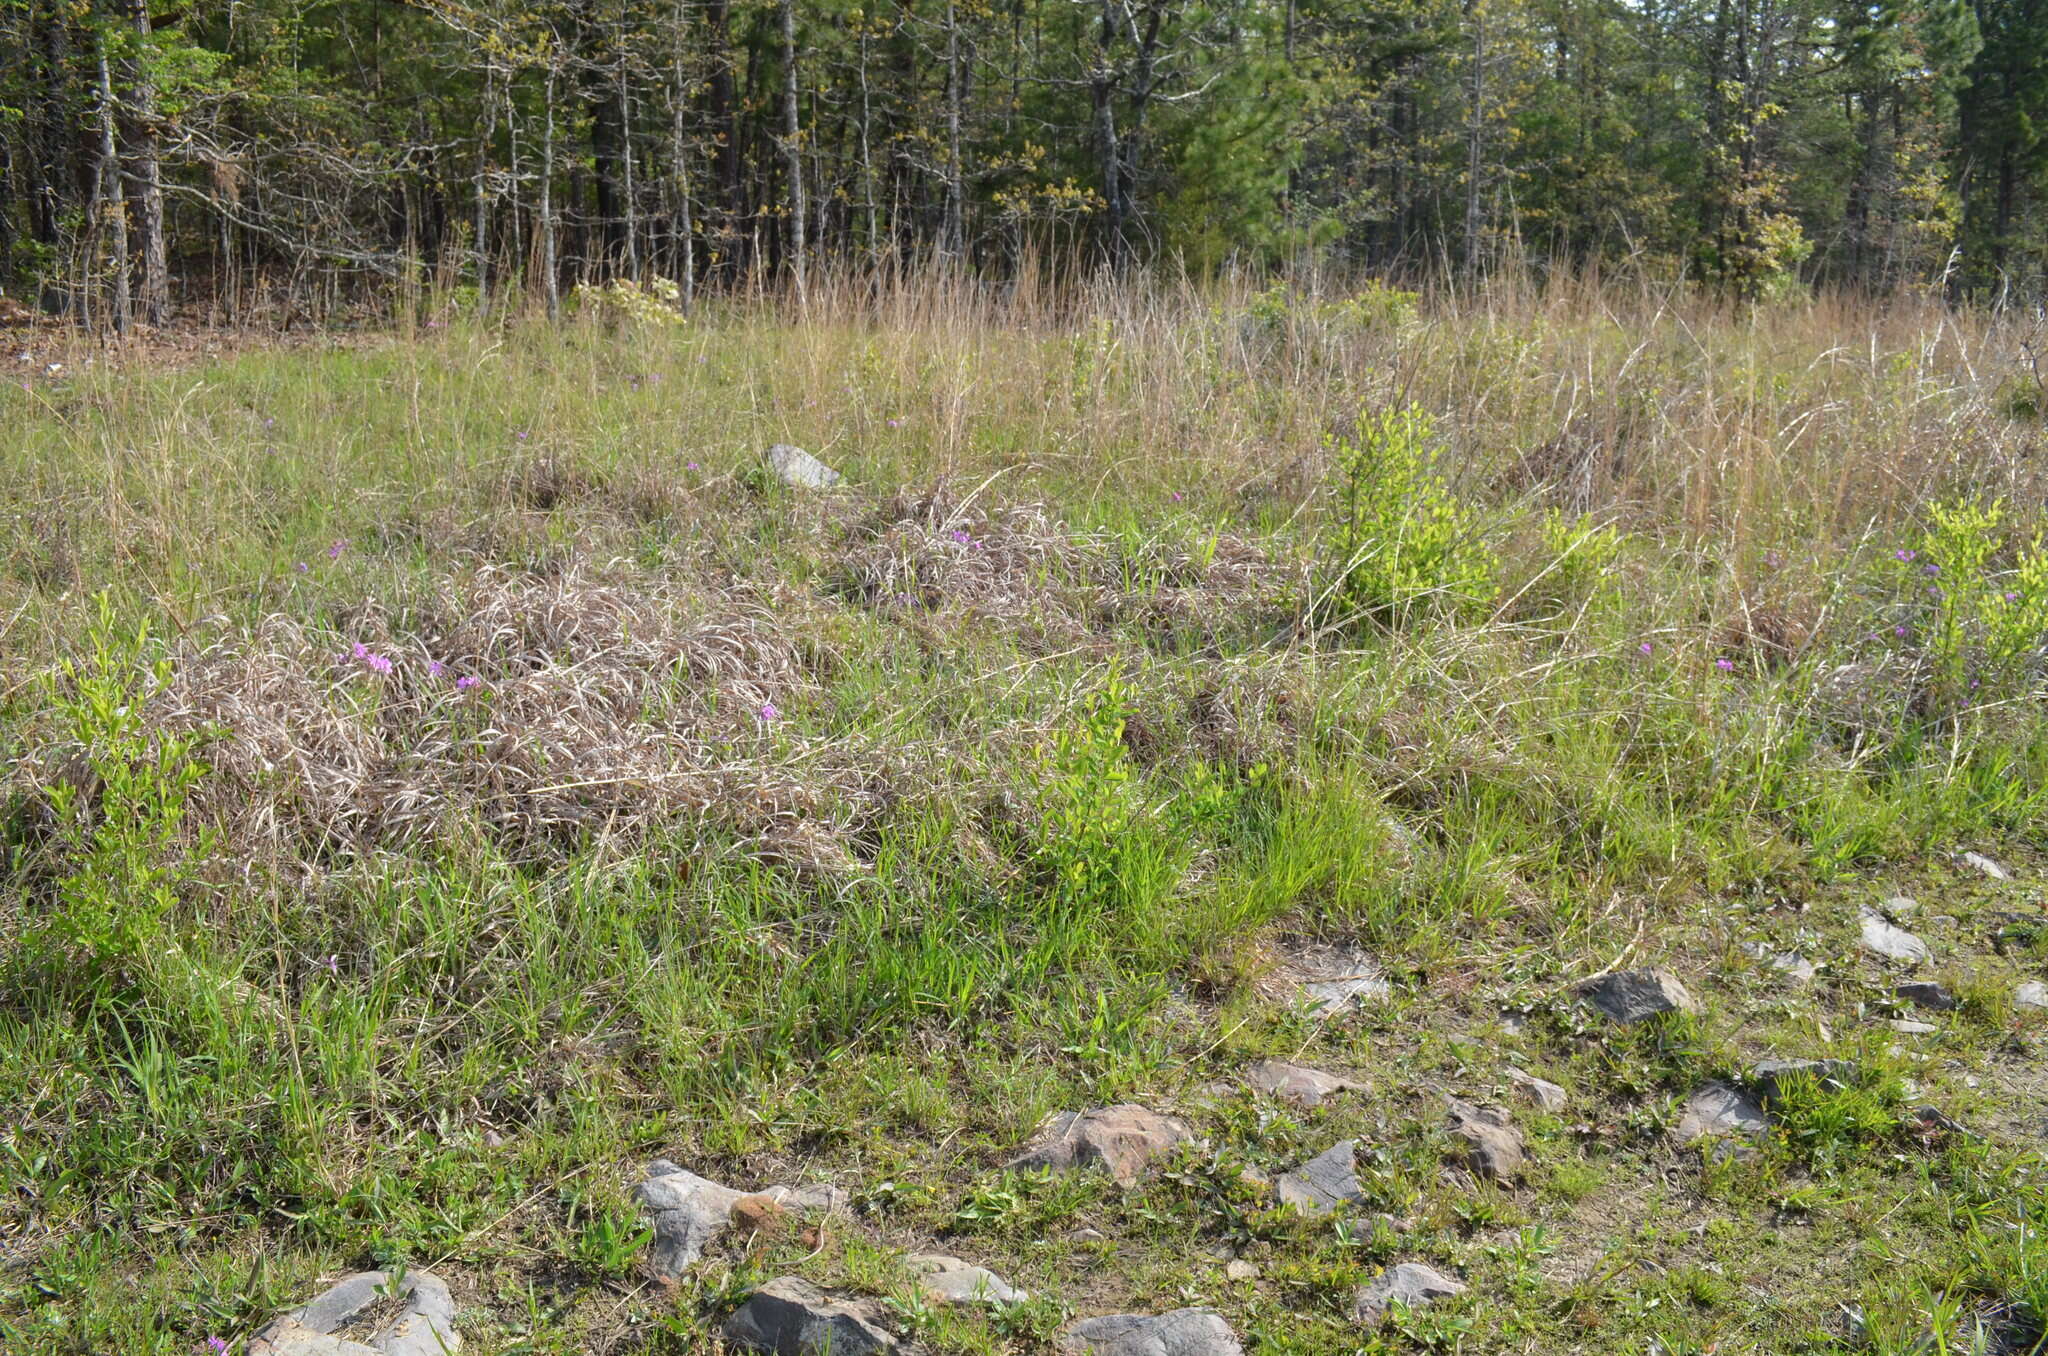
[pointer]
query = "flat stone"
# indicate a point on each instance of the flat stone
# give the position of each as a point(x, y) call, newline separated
point(799, 468)
point(1120, 1140)
point(1237, 1269)
point(1899, 906)
point(791, 1317)
point(1717, 1109)
point(1790, 964)
point(952, 1281)
point(1893, 942)
point(2032, 994)
point(424, 1327)
point(1303, 1086)
point(1492, 1146)
point(1327, 1182)
point(1410, 1284)
point(690, 1212)
point(1984, 865)
point(1925, 993)
point(1180, 1332)
point(1545, 1094)
point(1770, 1076)
point(1909, 1027)
point(1328, 997)
point(1630, 996)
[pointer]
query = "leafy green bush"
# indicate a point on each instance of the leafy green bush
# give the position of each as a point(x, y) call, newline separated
point(1984, 626)
point(1402, 540)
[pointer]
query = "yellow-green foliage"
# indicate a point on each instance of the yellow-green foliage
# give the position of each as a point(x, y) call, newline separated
point(1403, 539)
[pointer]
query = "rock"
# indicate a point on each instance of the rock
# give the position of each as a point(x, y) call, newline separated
point(1925, 993)
point(1237, 1269)
point(1978, 862)
point(1630, 996)
point(1791, 964)
point(1909, 1027)
point(1120, 1140)
point(1181, 1332)
point(1770, 1076)
point(1547, 1095)
point(1892, 942)
point(1493, 1147)
point(690, 1211)
point(1328, 997)
point(424, 1327)
point(1411, 1285)
point(792, 1317)
point(2032, 994)
point(1898, 906)
point(1717, 1109)
point(799, 468)
point(1325, 1183)
point(1295, 1083)
point(952, 1281)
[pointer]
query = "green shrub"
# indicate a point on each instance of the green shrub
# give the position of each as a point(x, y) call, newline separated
point(1402, 540)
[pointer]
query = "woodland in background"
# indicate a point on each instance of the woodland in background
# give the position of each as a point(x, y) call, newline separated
point(280, 160)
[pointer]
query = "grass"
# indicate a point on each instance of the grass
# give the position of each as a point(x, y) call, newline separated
point(1158, 639)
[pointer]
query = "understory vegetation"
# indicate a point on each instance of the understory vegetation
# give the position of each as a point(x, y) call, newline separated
point(448, 771)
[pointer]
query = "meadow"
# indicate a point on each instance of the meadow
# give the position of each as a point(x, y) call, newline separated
point(447, 769)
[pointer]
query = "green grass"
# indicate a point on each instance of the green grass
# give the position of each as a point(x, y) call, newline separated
point(1084, 722)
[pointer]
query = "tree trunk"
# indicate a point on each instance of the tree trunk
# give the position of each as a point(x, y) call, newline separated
point(156, 273)
point(112, 205)
point(1475, 138)
point(792, 145)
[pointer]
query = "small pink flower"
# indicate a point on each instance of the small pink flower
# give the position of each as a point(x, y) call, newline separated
point(340, 545)
point(1646, 647)
point(435, 668)
point(895, 423)
point(1175, 496)
point(691, 466)
point(1725, 665)
point(769, 713)
point(468, 681)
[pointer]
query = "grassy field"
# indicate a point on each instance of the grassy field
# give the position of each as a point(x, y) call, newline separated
point(447, 770)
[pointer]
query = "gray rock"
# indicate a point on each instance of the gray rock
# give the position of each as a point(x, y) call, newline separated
point(952, 1281)
point(424, 1327)
point(1925, 993)
point(1295, 1083)
point(1770, 1076)
point(1790, 964)
point(1899, 906)
point(1120, 1140)
point(1717, 1109)
point(1978, 862)
point(799, 468)
point(1892, 942)
point(690, 1212)
point(1181, 1332)
point(1237, 1269)
point(1492, 1147)
point(2032, 994)
point(1411, 1285)
point(1545, 1094)
point(1327, 1182)
point(1630, 996)
point(1328, 997)
point(1906, 1026)
point(791, 1317)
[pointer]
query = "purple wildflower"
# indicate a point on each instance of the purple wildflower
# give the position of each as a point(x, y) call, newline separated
point(1772, 559)
point(215, 1344)
point(895, 423)
point(1904, 554)
point(468, 681)
point(1899, 630)
point(2011, 597)
point(435, 668)
point(769, 713)
point(1175, 496)
point(1646, 647)
point(340, 545)
point(691, 466)
point(303, 567)
point(1930, 568)
point(1725, 665)
point(521, 435)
